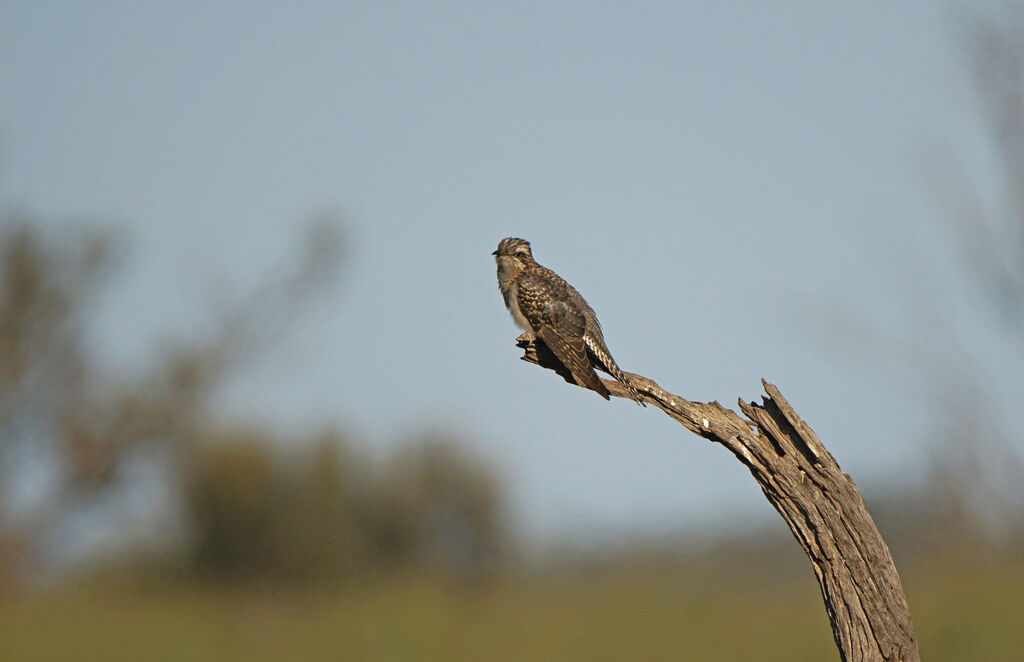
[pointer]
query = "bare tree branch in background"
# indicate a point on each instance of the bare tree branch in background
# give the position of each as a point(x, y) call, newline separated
point(164, 405)
point(990, 234)
point(980, 462)
point(972, 487)
point(50, 395)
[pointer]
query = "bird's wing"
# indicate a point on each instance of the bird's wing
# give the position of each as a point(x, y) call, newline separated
point(561, 325)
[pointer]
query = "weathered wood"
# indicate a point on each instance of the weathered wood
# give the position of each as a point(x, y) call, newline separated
point(821, 505)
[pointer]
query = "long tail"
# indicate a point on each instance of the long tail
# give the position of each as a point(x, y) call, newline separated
point(609, 365)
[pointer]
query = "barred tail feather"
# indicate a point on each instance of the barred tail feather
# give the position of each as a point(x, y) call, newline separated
point(607, 363)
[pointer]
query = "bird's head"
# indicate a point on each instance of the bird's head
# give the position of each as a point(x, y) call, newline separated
point(513, 255)
point(514, 248)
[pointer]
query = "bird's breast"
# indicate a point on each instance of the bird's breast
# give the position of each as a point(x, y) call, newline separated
point(512, 301)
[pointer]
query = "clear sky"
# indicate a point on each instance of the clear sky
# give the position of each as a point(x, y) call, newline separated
point(718, 179)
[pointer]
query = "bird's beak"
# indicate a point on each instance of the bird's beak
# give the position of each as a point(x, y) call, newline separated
point(494, 253)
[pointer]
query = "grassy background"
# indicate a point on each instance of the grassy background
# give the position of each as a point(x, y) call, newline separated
point(963, 610)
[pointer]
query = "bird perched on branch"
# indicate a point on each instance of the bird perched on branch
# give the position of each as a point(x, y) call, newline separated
point(547, 307)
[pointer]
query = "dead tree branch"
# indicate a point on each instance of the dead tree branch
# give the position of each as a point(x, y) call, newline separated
point(821, 505)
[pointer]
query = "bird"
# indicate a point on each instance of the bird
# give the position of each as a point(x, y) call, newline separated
point(545, 306)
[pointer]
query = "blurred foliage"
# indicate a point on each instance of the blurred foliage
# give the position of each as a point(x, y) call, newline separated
point(43, 288)
point(977, 465)
point(990, 233)
point(324, 513)
point(437, 504)
point(332, 516)
point(977, 461)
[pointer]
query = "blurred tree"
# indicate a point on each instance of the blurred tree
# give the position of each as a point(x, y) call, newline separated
point(251, 514)
point(976, 468)
point(441, 507)
point(257, 517)
point(320, 526)
point(59, 418)
point(231, 495)
point(330, 515)
point(991, 235)
point(979, 467)
point(42, 370)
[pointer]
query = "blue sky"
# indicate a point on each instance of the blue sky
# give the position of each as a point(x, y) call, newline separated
point(718, 179)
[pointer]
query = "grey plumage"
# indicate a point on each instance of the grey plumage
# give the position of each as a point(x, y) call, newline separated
point(549, 308)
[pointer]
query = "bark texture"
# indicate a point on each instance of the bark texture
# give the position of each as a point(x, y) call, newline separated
point(821, 505)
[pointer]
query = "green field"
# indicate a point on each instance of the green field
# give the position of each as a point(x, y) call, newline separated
point(646, 611)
